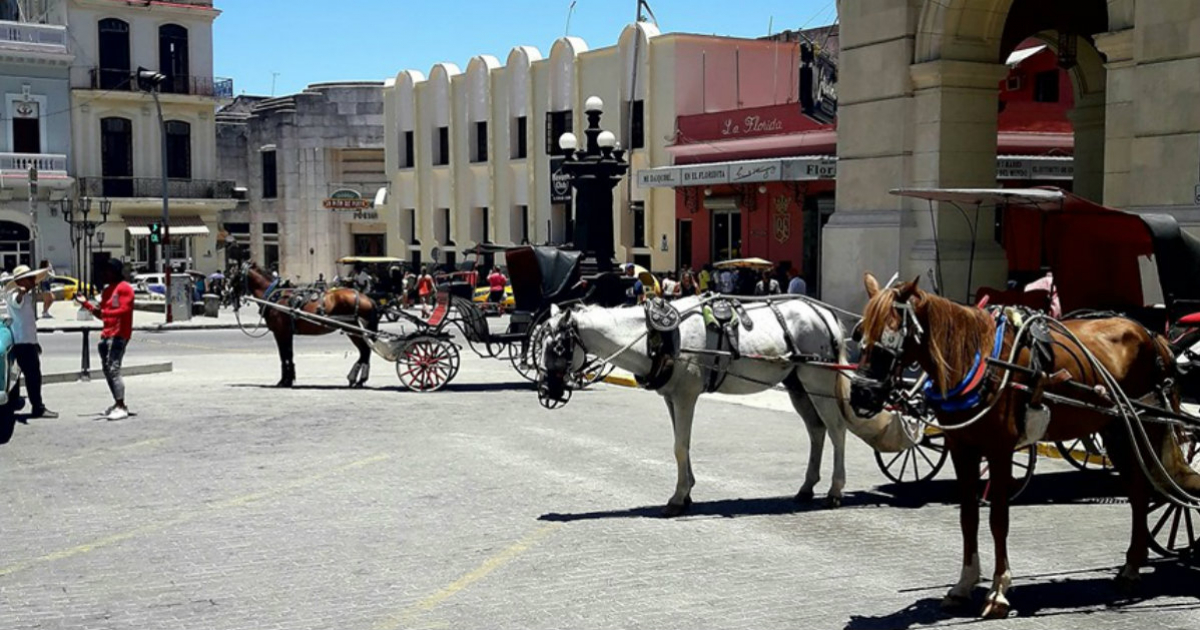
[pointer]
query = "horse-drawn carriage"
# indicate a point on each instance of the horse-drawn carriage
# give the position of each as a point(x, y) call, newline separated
point(1131, 273)
point(427, 357)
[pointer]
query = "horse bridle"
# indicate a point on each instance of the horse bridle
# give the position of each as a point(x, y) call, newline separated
point(876, 380)
point(559, 353)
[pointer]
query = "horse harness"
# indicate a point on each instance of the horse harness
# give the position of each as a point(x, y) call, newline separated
point(723, 319)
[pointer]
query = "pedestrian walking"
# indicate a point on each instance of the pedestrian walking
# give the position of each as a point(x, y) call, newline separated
point(425, 290)
point(497, 284)
point(19, 298)
point(767, 285)
point(116, 311)
point(797, 285)
point(704, 278)
point(45, 289)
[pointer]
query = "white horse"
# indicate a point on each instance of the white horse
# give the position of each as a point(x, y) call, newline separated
point(819, 394)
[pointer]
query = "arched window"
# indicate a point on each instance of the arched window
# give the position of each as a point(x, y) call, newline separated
point(179, 149)
point(9, 11)
point(116, 156)
point(173, 58)
point(114, 55)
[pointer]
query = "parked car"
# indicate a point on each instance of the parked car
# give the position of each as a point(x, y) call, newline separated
point(152, 285)
point(64, 288)
point(483, 293)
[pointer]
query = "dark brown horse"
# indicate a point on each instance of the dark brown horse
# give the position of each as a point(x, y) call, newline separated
point(905, 325)
point(347, 305)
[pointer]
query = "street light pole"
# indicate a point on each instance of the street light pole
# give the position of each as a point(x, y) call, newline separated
point(151, 81)
point(594, 171)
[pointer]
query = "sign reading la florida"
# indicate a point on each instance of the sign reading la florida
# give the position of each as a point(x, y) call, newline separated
point(751, 124)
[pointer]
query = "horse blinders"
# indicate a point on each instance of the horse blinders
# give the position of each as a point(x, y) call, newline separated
point(558, 357)
point(882, 362)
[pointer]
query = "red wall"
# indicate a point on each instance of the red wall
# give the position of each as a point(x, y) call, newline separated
point(758, 221)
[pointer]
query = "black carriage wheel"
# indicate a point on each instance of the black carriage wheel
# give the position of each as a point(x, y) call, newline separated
point(1024, 461)
point(391, 315)
point(526, 363)
point(1086, 453)
point(427, 364)
point(1175, 530)
point(921, 462)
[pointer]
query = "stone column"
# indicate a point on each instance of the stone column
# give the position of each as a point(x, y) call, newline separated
point(874, 148)
point(954, 146)
point(1118, 115)
point(1088, 119)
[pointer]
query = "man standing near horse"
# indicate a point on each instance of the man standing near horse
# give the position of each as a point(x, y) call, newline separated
point(19, 297)
point(116, 311)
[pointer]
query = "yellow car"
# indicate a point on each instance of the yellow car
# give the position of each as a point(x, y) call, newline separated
point(64, 288)
point(482, 293)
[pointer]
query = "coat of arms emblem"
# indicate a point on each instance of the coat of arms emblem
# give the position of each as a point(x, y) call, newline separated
point(783, 219)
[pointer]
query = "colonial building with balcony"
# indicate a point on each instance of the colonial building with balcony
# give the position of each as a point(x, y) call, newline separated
point(118, 140)
point(311, 165)
point(35, 137)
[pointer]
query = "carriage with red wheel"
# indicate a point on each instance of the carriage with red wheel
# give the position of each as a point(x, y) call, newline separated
point(1100, 262)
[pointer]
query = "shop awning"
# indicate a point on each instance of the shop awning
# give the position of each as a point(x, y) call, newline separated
point(180, 225)
point(791, 169)
point(1021, 55)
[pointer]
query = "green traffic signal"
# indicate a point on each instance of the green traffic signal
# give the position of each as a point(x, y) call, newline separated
point(155, 233)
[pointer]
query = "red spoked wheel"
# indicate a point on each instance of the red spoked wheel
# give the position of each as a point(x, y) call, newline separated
point(427, 363)
point(1175, 529)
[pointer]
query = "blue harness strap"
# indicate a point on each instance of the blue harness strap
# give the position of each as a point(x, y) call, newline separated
point(969, 393)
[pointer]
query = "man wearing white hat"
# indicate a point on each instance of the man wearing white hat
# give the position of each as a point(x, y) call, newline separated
point(21, 309)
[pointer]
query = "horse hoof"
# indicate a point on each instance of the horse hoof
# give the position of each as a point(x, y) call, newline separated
point(284, 384)
point(955, 602)
point(804, 496)
point(673, 509)
point(833, 502)
point(995, 610)
point(1126, 585)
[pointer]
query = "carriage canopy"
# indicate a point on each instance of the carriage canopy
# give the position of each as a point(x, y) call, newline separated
point(540, 275)
point(1093, 250)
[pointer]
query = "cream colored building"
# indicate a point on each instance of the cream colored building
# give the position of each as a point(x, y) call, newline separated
point(116, 140)
point(468, 151)
point(917, 108)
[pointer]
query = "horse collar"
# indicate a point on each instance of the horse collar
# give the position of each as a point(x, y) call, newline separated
point(968, 393)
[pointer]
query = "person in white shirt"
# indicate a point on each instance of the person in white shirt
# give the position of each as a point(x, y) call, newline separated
point(19, 298)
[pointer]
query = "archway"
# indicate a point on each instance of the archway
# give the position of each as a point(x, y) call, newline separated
point(15, 245)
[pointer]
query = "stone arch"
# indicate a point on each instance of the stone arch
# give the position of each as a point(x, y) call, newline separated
point(439, 92)
point(635, 37)
point(979, 30)
point(405, 95)
point(562, 72)
point(479, 88)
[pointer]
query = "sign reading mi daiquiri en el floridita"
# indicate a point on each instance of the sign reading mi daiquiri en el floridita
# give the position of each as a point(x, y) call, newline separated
point(346, 200)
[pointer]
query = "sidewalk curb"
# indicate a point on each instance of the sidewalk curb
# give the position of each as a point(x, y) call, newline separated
point(151, 328)
point(129, 370)
point(1043, 449)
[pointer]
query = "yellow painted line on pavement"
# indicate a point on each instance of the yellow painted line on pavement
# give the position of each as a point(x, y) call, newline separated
point(623, 381)
point(103, 450)
point(150, 528)
point(491, 564)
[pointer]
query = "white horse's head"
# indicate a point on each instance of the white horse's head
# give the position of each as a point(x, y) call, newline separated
point(562, 357)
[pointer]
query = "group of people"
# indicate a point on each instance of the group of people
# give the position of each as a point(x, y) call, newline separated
point(726, 281)
point(115, 309)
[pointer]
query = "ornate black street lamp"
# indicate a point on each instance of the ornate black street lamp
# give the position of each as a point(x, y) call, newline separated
point(84, 233)
point(594, 171)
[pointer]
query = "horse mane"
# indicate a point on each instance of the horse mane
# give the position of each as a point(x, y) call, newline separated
point(954, 334)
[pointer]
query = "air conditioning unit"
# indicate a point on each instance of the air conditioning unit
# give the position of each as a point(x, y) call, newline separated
point(1015, 82)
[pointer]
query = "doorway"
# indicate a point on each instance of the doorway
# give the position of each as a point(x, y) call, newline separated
point(116, 156)
point(369, 245)
point(173, 58)
point(114, 55)
point(727, 235)
point(683, 243)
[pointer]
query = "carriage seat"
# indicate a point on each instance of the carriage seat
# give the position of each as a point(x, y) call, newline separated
point(1190, 320)
point(440, 310)
point(1038, 300)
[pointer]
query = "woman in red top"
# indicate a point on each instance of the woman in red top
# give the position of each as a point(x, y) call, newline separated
point(497, 282)
point(116, 310)
point(425, 291)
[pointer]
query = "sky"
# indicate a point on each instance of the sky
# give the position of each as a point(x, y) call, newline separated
point(313, 41)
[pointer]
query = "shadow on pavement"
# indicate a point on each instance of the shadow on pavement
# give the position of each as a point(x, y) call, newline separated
point(450, 387)
point(731, 508)
point(1051, 595)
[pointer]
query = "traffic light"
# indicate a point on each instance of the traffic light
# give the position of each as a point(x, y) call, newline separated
point(155, 233)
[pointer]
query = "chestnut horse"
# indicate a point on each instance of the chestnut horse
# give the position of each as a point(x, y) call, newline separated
point(349, 305)
point(905, 325)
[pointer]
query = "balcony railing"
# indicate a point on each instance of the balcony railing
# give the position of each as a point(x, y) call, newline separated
point(115, 79)
point(44, 162)
point(151, 187)
point(33, 37)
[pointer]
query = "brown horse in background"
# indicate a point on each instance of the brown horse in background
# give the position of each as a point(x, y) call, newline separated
point(904, 324)
point(344, 304)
